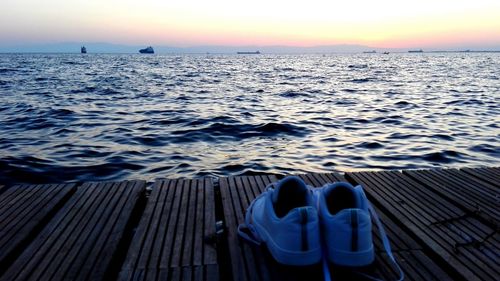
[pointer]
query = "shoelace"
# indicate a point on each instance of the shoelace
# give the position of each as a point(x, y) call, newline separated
point(254, 237)
point(385, 242)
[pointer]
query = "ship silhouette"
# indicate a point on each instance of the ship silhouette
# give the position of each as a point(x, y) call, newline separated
point(148, 50)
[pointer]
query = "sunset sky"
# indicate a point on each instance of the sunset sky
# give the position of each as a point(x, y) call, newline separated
point(380, 23)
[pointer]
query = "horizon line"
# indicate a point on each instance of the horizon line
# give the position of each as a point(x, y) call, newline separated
point(261, 53)
point(163, 45)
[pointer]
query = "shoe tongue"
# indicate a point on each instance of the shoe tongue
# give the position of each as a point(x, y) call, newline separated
point(340, 196)
point(291, 182)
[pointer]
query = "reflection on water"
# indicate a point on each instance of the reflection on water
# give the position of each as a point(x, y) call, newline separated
point(101, 117)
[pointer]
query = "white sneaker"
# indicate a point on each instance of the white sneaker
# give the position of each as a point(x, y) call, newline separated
point(285, 219)
point(345, 224)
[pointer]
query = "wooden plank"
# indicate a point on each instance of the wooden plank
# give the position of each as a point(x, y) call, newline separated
point(170, 240)
point(37, 205)
point(435, 223)
point(242, 271)
point(18, 201)
point(15, 215)
point(7, 195)
point(165, 191)
point(67, 248)
point(171, 232)
point(199, 224)
point(129, 269)
point(246, 196)
point(198, 272)
point(188, 248)
point(187, 273)
point(474, 230)
point(411, 269)
point(233, 217)
point(180, 228)
point(47, 236)
point(476, 196)
point(110, 236)
point(64, 241)
point(485, 174)
point(146, 242)
point(176, 274)
point(211, 272)
point(81, 240)
point(258, 186)
point(430, 267)
point(256, 258)
point(494, 171)
point(209, 250)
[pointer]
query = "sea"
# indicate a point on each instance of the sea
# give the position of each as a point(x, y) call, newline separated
point(96, 117)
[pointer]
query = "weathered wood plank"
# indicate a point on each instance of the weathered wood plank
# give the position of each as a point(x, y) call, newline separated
point(50, 233)
point(171, 233)
point(158, 230)
point(472, 194)
point(110, 236)
point(258, 186)
point(17, 202)
point(209, 250)
point(180, 228)
point(67, 250)
point(29, 214)
point(146, 245)
point(438, 224)
point(188, 248)
point(134, 254)
point(81, 239)
point(235, 252)
point(14, 215)
point(488, 175)
point(170, 241)
point(199, 224)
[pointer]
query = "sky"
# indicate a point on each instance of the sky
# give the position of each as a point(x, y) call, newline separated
point(185, 23)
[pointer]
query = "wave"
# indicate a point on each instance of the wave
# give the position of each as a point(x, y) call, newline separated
point(7, 70)
point(222, 132)
point(120, 116)
point(292, 94)
point(446, 156)
point(361, 80)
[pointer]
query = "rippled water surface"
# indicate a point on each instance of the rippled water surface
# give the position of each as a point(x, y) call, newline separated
point(67, 117)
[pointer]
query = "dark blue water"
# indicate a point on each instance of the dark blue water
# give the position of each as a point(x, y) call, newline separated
point(69, 117)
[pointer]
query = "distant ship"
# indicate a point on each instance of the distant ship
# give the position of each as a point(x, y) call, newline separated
point(385, 53)
point(370, 52)
point(83, 50)
point(416, 51)
point(148, 50)
point(248, 53)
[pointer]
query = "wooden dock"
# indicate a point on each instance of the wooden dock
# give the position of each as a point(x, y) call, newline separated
point(443, 225)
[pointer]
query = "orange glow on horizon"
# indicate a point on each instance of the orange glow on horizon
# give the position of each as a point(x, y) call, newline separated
point(384, 23)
